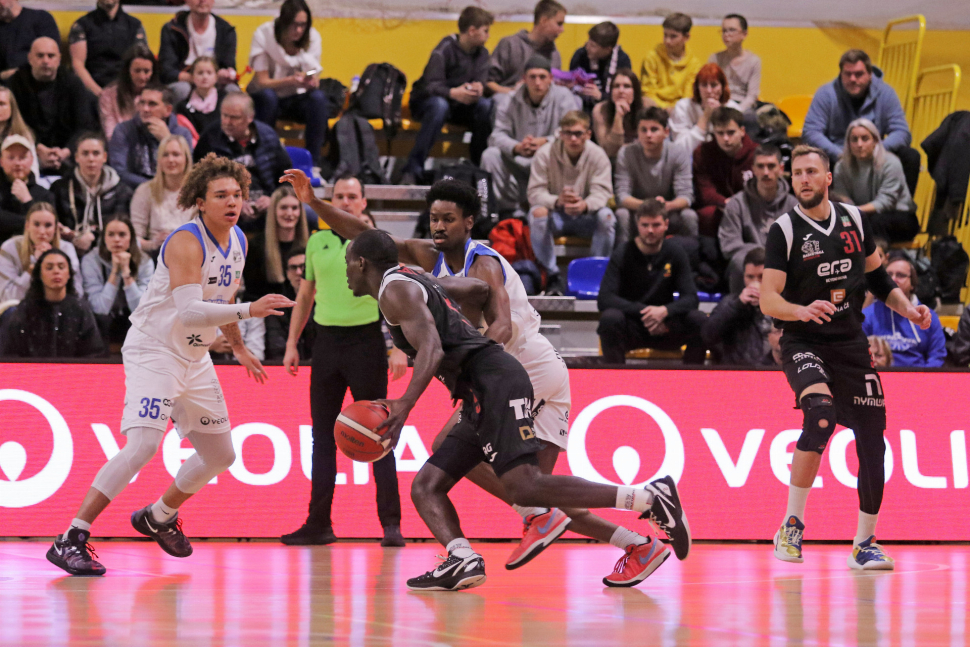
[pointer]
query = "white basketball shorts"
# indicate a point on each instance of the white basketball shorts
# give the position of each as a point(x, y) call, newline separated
point(550, 383)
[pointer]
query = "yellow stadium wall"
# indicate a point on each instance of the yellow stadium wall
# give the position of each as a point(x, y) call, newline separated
point(796, 60)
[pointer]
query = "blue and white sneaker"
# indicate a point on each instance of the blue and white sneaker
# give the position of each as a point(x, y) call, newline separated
point(869, 556)
point(788, 540)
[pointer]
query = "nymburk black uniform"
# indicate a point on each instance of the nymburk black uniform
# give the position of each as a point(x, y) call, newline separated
point(496, 392)
point(827, 261)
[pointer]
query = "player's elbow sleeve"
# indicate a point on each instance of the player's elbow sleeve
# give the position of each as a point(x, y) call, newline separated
point(879, 283)
point(193, 312)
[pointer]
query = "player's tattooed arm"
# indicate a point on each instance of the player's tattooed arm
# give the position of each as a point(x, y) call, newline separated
point(233, 335)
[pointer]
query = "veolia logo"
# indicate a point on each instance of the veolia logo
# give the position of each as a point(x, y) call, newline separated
point(13, 457)
point(626, 459)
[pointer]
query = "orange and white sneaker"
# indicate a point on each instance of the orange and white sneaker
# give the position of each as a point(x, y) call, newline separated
point(538, 531)
point(638, 563)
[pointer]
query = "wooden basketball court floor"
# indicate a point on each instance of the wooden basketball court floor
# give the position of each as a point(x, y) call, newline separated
point(229, 594)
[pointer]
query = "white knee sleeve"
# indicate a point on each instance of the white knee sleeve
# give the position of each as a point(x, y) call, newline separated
point(142, 444)
point(213, 456)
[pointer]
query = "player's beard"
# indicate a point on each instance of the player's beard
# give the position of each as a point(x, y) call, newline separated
point(812, 202)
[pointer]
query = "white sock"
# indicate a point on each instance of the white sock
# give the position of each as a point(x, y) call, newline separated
point(633, 498)
point(460, 548)
point(866, 527)
point(80, 524)
point(622, 538)
point(525, 512)
point(797, 499)
point(161, 513)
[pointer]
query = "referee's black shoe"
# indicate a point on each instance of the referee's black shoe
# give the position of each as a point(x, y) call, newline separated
point(73, 554)
point(453, 574)
point(168, 535)
point(307, 535)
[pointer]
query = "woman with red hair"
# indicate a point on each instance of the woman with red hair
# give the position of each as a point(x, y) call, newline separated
point(689, 119)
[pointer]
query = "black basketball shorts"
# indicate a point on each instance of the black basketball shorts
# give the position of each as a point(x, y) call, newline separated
point(846, 366)
point(495, 425)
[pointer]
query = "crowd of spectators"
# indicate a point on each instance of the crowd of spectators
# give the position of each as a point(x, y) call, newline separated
point(657, 168)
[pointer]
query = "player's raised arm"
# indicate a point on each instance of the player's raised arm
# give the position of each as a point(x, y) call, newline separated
point(884, 288)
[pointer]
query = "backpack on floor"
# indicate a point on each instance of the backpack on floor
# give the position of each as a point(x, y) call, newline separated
point(379, 95)
point(481, 181)
point(511, 238)
point(356, 150)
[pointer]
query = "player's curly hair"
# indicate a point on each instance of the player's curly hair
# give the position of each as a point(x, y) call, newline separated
point(212, 167)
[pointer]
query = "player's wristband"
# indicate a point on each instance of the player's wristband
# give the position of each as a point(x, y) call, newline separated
point(879, 283)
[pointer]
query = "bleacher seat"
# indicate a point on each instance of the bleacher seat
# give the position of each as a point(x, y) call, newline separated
point(796, 107)
point(583, 277)
point(303, 161)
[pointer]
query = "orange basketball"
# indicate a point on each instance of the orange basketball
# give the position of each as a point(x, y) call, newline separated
point(354, 431)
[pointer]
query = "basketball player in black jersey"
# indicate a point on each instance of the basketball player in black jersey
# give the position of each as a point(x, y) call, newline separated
point(819, 260)
point(496, 415)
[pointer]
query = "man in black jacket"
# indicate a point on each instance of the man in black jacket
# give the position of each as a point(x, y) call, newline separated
point(601, 56)
point(54, 103)
point(18, 189)
point(19, 28)
point(636, 298)
point(189, 35)
point(99, 40)
point(737, 331)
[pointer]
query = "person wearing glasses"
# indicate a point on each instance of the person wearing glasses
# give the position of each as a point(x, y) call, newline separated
point(742, 67)
point(570, 184)
point(910, 346)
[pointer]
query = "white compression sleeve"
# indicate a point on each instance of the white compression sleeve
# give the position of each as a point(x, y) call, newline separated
point(196, 313)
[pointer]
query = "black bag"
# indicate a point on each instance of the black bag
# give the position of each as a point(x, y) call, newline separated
point(356, 150)
point(379, 94)
point(927, 285)
point(336, 93)
point(951, 263)
point(482, 182)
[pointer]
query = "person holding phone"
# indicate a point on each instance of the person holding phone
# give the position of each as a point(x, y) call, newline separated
point(285, 58)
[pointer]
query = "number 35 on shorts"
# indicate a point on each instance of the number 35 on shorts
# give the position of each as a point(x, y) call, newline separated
point(151, 408)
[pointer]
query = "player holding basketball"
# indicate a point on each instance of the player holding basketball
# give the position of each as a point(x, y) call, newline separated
point(819, 260)
point(511, 321)
point(168, 372)
point(496, 423)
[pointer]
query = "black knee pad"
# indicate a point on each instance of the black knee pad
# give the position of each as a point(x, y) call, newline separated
point(816, 407)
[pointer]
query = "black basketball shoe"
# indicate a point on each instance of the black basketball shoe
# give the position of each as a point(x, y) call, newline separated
point(168, 535)
point(308, 535)
point(668, 514)
point(453, 574)
point(73, 554)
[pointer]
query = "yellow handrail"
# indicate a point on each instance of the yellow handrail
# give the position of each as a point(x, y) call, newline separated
point(900, 61)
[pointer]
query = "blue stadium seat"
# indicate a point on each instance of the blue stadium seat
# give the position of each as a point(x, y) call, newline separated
point(584, 275)
point(302, 160)
point(708, 297)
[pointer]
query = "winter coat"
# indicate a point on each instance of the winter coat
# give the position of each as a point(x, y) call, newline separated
point(13, 212)
point(174, 48)
point(946, 157)
point(747, 217)
point(910, 345)
point(269, 161)
point(62, 329)
point(736, 333)
point(80, 214)
point(133, 150)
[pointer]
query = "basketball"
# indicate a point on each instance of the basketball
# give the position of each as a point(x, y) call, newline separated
point(354, 431)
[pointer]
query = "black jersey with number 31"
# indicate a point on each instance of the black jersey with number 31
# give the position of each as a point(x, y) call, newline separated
point(823, 261)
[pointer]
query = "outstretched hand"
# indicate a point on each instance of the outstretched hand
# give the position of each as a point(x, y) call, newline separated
point(267, 305)
point(300, 182)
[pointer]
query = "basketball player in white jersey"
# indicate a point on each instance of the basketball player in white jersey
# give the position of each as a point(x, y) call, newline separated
point(513, 322)
point(168, 372)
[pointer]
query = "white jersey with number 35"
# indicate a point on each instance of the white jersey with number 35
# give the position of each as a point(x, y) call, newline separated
point(156, 315)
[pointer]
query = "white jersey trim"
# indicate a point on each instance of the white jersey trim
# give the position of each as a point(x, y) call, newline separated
point(814, 223)
point(784, 223)
point(390, 278)
point(856, 217)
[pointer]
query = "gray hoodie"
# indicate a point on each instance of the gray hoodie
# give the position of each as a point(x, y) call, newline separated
point(519, 117)
point(747, 216)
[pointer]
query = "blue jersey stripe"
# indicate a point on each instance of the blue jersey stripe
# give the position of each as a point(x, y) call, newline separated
point(189, 226)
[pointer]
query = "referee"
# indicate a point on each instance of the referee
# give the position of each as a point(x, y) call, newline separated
point(349, 351)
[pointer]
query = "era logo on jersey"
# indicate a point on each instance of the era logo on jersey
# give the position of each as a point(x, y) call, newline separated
point(835, 267)
point(837, 296)
point(811, 249)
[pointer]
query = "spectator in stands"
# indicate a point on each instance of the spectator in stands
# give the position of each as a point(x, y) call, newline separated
point(51, 321)
point(773, 357)
point(201, 107)
point(570, 184)
point(115, 277)
point(742, 67)
point(958, 347)
point(882, 354)
point(690, 121)
point(615, 118)
point(99, 40)
point(19, 254)
point(668, 71)
point(508, 64)
point(910, 345)
point(54, 103)
point(118, 100)
point(721, 167)
point(526, 122)
point(285, 56)
point(85, 199)
point(736, 332)
point(653, 168)
point(19, 28)
point(189, 35)
point(602, 57)
point(872, 178)
point(154, 208)
point(133, 149)
point(749, 213)
point(286, 228)
point(278, 328)
point(859, 91)
point(19, 190)
point(12, 123)
point(253, 144)
point(636, 299)
point(451, 90)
